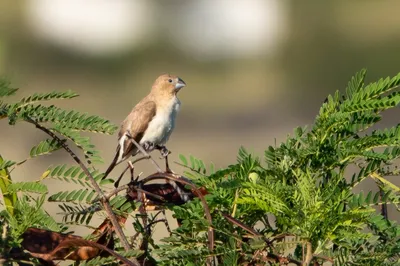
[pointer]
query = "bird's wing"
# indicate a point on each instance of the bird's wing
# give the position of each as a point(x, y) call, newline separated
point(135, 125)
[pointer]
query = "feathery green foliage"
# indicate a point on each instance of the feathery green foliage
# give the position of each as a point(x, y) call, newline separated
point(68, 124)
point(9, 198)
point(45, 147)
point(74, 174)
point(304, 190)
point(32, 187)
point(23, 201)
point(298, 203)
point(5, 88)
point(78, 213)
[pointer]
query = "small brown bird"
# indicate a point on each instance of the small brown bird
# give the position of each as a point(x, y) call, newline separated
point(151, 121)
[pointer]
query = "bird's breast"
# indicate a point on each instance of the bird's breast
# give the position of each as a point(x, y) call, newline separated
point(161, 126)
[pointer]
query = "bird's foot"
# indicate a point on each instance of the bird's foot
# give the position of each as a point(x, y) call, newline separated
point(148, 146)
point(164, 153)
point(163, 150)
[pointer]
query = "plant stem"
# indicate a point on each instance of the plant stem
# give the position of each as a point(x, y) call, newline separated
point(104, 200)
point(309, 254)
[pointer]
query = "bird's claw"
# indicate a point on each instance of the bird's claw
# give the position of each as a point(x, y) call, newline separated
point(163, 150)
point(148, 146)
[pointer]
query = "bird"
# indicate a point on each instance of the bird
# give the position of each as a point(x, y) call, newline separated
point(151, 121)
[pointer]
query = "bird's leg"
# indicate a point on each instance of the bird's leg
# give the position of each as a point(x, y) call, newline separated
point(163, 150)
point(148, 146)
point(167, 169)
point(164, 153)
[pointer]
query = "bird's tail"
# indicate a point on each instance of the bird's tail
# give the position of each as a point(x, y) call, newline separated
point(114, 162)
point(124, 150)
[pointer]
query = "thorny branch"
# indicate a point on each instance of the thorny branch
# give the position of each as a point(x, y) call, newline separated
point(104, 200)
point(184, 181)
point(112, 193)
point(176, 178)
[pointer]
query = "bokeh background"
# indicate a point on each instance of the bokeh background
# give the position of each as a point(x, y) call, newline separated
point(254, 69)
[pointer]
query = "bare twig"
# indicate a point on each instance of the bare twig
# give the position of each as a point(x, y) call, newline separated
point(139, 159)
point(179, 179)
point(104, 200)
point(240, 224)
point(112, 193)
point(155, 222)
point(166, 222)
point(150, 194)
point(324, 258)
point(146, 154)
point(129, 167)
point(131, 170)
point(384, 211)
point(146, 233)
point(283, 260)
point(309, 254)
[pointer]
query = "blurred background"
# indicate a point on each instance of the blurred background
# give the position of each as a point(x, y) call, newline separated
point(254, 69)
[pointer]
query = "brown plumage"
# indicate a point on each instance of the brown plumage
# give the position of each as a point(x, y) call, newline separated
point(151, 121)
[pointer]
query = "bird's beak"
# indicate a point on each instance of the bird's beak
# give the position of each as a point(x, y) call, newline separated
point(180, 84)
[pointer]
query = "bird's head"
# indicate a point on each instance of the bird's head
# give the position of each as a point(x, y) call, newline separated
point(168, 84)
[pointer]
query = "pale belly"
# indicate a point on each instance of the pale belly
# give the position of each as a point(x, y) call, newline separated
point(161, 127)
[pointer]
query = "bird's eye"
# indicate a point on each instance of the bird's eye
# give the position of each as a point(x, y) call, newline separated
point(170, 80)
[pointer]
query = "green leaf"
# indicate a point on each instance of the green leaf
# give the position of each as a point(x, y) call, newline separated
point(356, 83)
point(5, 89)
point(33, 187)
point(82, 142)
point(9, 198)
point(183, 159)
point(36, 97)
point(4, 164)
point(72, 174)
point(45, 147)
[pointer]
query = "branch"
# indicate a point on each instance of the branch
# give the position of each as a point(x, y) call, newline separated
point(240, 224)
point(166, 222)
point(324, 258)
point(146, 233)
point(49, 246)
point(384, 210)
point(309, 254)
point(110, 194)
point(179, 179)
point(283, 260)
point(145, 153)
point(150, 194)
point(104, 200)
